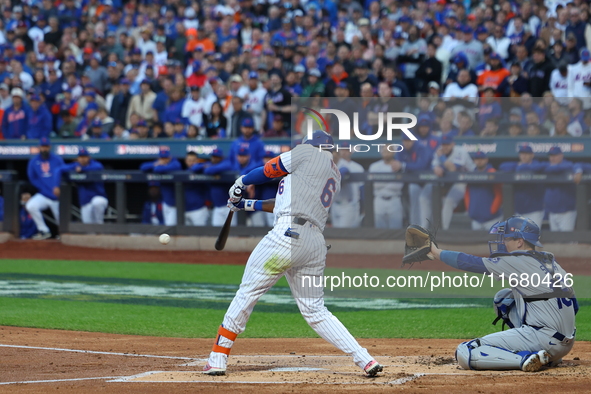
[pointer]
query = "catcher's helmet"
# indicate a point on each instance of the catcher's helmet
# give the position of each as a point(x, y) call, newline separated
point(319, 137)
point(514, 227)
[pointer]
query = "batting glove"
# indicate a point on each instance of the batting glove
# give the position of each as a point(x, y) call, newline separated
point(242, 205)
point(236, 206)
point(236, 190)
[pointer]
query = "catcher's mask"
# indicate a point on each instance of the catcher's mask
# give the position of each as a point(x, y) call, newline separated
point(514, 227)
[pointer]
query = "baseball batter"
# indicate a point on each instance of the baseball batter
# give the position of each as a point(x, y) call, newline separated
point(295, 247)
point(541, 317)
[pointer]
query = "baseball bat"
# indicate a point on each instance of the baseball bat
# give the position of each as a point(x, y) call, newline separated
point(220, 243)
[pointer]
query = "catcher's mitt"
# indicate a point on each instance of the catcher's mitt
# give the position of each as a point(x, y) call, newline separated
point(418, 244)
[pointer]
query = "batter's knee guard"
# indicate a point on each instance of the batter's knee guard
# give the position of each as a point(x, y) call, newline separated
point(473, 355)
point(224, 341)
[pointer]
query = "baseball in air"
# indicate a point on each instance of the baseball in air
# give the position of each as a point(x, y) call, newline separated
point(164, 239)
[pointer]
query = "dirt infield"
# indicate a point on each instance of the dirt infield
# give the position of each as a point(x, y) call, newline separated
point(82, 362)
point(51, 249)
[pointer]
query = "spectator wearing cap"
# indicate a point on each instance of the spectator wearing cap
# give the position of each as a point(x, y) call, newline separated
point(528, 198)
point(194, 108)
point(411, 56)
point(15, 122)
point(41, 173)
point(249, 139)
point(470, 47)
point(430, 70)
point(315, 84)
point(277, 102)
point(483, 201)
point(145, 43)
point(254, 99)
point(96, 131)
point(142, 104)
point(559, 199)
point(539, 75)
point(494, 75)
point(164, 165)
point(499, 42)
point(579, 79)
point(459, 62)
point(40, 121)
point(91, 195)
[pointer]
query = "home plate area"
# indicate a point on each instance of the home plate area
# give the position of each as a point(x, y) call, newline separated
point(317, 369)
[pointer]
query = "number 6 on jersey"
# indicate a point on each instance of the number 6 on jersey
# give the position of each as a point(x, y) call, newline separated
point(328, 192)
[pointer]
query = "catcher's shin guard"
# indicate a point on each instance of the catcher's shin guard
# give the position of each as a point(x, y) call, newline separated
point(472, 355)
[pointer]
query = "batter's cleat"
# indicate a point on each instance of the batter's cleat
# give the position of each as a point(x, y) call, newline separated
point(372, 368)
point(41, 236)
point(535, 361)
point(213, 371)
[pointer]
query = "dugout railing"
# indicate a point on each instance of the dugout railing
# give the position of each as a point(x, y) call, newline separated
point(126, 179)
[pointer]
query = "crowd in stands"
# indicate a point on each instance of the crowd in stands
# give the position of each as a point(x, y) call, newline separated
point(108, 69)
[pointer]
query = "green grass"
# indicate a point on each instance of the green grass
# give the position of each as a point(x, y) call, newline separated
point(201, 323)
point(175, 321)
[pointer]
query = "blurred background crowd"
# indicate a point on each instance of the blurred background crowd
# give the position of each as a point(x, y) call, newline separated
point(112, 69)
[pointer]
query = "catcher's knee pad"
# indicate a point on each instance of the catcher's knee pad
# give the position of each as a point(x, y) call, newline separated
point(504, 305)
point(463, 354)
point(473, 355)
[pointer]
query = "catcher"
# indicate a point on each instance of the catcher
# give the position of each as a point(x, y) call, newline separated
point(541, 318)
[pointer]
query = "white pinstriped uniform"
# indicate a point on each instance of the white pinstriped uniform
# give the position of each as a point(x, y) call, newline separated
point(305, 193)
